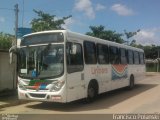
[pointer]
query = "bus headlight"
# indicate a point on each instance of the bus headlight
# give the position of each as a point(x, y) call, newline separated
point(57, 85)
point(21, 86)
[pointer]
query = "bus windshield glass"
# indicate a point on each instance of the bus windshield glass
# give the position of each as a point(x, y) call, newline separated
point(41, 61)
point(42, 39)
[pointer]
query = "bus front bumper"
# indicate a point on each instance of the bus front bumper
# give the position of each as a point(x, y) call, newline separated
point(42, 96)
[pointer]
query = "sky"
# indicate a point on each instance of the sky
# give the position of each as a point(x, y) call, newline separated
point(116, 15)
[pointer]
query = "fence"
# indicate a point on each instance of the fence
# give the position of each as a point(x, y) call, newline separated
point(7, 72)
point(152, 66)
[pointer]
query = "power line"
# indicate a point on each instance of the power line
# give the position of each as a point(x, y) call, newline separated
point(26, 11)
point(6, 9)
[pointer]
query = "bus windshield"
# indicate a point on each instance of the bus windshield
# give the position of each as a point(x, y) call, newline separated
point(41, 61)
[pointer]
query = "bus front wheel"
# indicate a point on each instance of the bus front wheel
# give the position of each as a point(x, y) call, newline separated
point(92, 91)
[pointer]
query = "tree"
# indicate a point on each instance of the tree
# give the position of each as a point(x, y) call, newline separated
point(5, 41)
point(100, 32)
point(133, 43)
point(46, 21)
point(151, 52)
point(129, 35)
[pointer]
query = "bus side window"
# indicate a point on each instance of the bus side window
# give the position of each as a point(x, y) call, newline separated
point(114, 55)
point(90, 52)
point(141, 58)
point(102, 54)
point(74, 57)
point(123, 56)
point(130, 57)
point(136, 57)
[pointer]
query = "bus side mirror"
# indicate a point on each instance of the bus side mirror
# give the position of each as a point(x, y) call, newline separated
point(74, 49)
point(12, 50)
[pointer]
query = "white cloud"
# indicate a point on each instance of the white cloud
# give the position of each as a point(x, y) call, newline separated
point(148, 36)
point(69, 22)
point(2, 19)
point(86, 7)
point(122, 10)
point(100, 7)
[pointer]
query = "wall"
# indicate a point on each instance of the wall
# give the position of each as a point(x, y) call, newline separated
point(7, 72)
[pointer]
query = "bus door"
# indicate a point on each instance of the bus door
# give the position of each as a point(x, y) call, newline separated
point(75, 72)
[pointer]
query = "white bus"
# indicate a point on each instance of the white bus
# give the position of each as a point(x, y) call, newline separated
point(63, 66)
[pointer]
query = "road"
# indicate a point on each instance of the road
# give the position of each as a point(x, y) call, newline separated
point(144, 98)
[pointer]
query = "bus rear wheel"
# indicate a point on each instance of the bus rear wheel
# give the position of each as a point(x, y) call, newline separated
point(131, 83)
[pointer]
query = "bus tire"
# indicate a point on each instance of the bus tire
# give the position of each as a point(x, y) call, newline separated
point(92, 91)
point(131, 83)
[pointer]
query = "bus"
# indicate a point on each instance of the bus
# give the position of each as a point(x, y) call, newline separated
point(64, 66)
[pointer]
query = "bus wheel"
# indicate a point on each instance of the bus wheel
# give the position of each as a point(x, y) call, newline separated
point(131, 83)
point(92, 92)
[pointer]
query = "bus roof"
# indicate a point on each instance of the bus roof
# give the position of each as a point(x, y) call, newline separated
point(98, 40)
point(71, 34)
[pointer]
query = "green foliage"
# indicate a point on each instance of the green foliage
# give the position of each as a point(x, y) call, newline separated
point(5, 41)
point(151, 67)
point(134, 44)
point(151, 51)
point(46, 21)
point(100, 32)
point(129, 35)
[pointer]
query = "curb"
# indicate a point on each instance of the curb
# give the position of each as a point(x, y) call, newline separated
point(152, 73)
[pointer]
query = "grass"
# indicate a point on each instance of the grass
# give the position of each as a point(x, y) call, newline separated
point(152, 67)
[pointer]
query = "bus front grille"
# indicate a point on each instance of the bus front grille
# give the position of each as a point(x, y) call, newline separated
point(37, 95)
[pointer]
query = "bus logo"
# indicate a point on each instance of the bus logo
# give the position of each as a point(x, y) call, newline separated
point(119, 71)
point(38, 84)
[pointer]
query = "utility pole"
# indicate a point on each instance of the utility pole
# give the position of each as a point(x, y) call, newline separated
point(14, 43)
point(158, 62)
point(16, 23)
point(23, 14)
